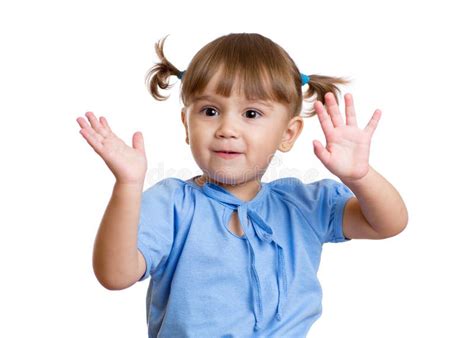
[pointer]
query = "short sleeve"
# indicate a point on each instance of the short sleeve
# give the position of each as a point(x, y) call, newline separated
point(323, 203)
point(156, 225)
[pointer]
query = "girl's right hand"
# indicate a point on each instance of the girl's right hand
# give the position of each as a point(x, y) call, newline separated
point(127, 164)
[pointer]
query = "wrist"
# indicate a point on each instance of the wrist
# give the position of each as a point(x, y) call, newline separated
point(359, 181)
point(128, 186)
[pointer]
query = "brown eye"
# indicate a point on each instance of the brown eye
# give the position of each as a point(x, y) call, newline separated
point(208, 111)
point(252, 114)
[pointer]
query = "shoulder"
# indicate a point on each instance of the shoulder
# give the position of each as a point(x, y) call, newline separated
point(285, 186)
point(293, 188)
point(170, 189)
point(169, 184)
point(168, 203)
point(319, 203)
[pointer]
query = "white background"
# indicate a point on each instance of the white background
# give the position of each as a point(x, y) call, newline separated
point(59, 59)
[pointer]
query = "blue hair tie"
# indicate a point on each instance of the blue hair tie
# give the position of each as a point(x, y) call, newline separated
point(304, 79)
point(180, 74)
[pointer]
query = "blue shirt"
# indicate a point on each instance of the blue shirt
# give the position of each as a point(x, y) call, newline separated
point(208, 282)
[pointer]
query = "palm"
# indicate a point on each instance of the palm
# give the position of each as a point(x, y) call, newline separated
point(128, 164)
point(347, 149)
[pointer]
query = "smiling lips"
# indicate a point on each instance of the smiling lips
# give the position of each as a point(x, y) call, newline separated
point(227, 154)
point(227, 151)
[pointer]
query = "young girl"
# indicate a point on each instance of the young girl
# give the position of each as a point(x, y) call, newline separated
point(230, 255)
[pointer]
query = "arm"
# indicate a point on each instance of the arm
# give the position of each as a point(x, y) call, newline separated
point(117, 262)
point(378, 212)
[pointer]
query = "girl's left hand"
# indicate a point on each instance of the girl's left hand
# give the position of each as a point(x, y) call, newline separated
point(347, 149)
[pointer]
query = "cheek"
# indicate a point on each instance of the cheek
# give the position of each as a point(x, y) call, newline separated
point(199, 142)
point(264, 149)
point(267, 141)
point(196, 133)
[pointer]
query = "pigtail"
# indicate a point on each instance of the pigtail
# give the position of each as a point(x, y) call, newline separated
point(158, 75)
point(319, 85)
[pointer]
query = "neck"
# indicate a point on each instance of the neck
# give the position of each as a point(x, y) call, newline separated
point(245, 191)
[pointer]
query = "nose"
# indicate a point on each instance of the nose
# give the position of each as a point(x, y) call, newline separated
point(228, 127)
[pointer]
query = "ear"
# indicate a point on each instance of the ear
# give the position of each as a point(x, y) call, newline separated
point(185, 123)
point(291, 133)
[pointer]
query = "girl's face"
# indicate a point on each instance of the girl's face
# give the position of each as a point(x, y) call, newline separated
point(232, 139)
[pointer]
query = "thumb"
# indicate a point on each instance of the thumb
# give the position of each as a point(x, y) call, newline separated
point(320, 151)
point(138, 142)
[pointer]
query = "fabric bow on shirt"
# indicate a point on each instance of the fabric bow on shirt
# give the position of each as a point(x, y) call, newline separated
point(264, 233)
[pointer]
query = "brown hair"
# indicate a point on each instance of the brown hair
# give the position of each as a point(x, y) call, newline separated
point(261, 68)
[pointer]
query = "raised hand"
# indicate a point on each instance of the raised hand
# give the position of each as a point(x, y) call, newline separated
point(128, 164)
point(347, 149)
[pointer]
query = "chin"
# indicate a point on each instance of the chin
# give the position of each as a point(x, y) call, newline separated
point(223, 177)
point(227, 179)
point(231, 178)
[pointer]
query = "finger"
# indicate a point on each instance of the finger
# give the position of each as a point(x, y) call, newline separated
point(96, 125)
point(89, 131)
point(105, 124)
point(82, 122)
point(138, 142)
point(333, 110)
point(350, 110)
point(92, 138)
point(321, 152)
point(370, 128)
point(323, 117)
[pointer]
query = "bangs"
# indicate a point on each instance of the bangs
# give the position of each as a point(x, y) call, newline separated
point(250, 65)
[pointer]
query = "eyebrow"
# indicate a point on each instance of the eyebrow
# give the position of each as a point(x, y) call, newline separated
point(211, 98)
